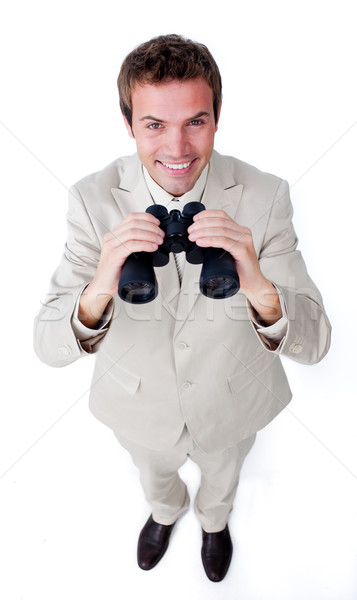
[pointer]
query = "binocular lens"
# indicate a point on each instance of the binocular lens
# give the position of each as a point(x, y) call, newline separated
point(137, 292)
point(219, 287)
point(138, 283)
point(219, 277)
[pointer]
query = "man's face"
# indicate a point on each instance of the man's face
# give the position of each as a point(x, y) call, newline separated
point(174, 126)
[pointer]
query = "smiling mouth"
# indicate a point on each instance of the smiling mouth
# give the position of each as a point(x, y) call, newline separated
point(177, 167)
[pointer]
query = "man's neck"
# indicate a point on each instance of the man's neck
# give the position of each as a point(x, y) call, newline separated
point(161, 196)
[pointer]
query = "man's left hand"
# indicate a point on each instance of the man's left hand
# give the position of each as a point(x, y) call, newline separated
point(214, 228)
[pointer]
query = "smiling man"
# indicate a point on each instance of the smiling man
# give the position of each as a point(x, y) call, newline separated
point(184, 375)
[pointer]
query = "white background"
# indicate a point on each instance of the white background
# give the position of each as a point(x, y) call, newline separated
point(71, 503)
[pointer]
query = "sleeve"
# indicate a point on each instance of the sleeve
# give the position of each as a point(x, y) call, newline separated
point(55, 341)
point(86, 337)
point(272, 336)
point(308, 333)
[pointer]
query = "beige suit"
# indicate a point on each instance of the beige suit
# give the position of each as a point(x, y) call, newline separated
point(184, 358)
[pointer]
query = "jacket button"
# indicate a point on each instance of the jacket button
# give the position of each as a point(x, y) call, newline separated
point(186, 385)
point(182, 345)
point(295, 348)
point(65, 350)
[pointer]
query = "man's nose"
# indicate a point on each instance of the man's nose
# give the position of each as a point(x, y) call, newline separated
point(177, 142)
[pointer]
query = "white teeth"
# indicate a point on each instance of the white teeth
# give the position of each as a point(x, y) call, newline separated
point(177, 167)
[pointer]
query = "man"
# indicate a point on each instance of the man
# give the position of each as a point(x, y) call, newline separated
point(183, 375)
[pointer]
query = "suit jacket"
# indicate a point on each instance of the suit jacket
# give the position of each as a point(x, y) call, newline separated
point(184, 358)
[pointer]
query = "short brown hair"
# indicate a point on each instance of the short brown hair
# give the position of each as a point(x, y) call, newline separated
point(167, 58)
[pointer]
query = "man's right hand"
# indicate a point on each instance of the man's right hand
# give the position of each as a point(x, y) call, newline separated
point(138, 232)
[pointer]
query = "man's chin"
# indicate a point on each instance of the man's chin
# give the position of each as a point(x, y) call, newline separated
point(177, 183)
point(177, 186)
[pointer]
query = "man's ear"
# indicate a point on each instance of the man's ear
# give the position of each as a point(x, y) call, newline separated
point(218, 115)
point(128, 127)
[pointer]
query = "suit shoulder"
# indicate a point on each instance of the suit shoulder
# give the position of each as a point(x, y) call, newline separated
point(245, 173)
point(103, 180)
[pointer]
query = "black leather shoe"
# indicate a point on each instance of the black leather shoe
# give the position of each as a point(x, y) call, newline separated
point(216, 553)
point(153, 542)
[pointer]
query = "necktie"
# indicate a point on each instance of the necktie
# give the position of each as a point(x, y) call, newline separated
point(180, 258)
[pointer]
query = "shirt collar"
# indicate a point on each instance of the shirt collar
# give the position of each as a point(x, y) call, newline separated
point(161, 196)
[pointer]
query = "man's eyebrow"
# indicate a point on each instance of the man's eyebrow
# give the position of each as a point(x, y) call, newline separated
point(150, 118)
point(197, 116)
point(200, 114)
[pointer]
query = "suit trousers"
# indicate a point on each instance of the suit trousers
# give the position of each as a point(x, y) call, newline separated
point(167, 493)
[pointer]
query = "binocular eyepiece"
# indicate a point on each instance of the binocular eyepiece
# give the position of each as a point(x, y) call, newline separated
point(218, 279)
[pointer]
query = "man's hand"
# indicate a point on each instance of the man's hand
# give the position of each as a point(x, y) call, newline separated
point(214, 228)
point(139, 232)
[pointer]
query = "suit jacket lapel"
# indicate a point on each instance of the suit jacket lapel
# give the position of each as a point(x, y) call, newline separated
point(222, 191)
point(132, 195)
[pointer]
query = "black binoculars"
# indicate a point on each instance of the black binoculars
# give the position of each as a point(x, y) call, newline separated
point(219, 277)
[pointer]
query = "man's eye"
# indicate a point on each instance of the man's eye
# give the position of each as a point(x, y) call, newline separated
point(196, 122)
point(154, 126)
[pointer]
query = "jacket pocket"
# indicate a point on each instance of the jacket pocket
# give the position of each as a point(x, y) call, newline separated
point(251, 371)
point(115, 374)
point(129, 381)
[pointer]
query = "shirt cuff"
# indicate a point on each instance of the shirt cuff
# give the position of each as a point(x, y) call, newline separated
point(84, 333)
